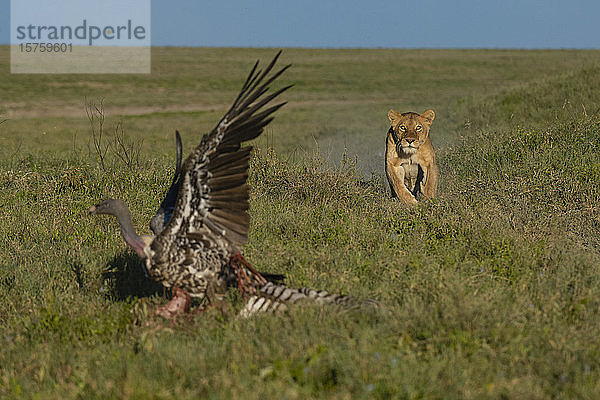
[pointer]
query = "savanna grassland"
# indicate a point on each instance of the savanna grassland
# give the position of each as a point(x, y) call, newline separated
point(490, 291)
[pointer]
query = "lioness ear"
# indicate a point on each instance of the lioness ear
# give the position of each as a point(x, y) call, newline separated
point(394, 116)
point(429, 115)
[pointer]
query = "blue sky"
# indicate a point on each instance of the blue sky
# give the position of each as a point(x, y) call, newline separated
point(369, 23)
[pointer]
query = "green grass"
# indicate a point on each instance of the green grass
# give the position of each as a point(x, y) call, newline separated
point(490, 291)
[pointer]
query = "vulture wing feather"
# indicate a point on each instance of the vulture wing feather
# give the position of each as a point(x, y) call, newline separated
point(165, 210)
point(212, 193)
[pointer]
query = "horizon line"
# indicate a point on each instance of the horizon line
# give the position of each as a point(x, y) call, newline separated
point(356, 47)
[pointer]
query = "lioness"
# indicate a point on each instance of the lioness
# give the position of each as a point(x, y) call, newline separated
point(410, 158)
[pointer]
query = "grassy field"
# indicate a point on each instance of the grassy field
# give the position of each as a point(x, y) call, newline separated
point(490, 291)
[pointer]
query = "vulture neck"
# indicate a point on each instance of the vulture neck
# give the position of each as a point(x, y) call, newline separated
point(128, 231)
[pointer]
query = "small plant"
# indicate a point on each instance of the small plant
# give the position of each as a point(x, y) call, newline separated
point(118, 144)
point(95, 114)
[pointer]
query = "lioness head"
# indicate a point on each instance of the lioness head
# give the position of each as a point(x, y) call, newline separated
point(410, 130)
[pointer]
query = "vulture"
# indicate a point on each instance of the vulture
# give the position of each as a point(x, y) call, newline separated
point(203, 220)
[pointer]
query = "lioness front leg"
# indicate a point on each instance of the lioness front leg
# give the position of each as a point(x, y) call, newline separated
point(431, 181)
point(396, 178)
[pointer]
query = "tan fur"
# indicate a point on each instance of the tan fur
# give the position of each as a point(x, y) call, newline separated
point(410, 161)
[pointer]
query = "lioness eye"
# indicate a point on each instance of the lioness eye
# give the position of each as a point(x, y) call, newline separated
point(402, 128)
point(418, 128)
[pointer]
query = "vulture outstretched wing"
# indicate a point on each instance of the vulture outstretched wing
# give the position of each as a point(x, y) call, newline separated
point(165, 210)
point(212, 201)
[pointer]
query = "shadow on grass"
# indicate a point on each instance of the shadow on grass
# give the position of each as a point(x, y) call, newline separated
point(125, 277)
